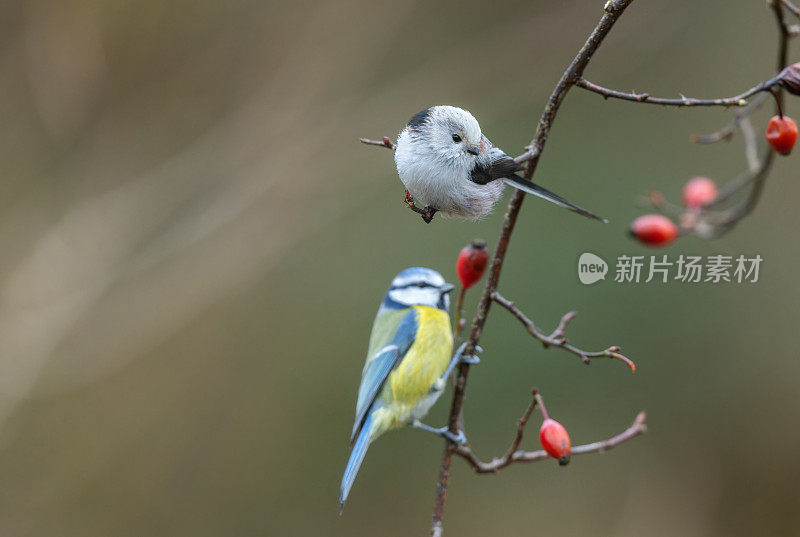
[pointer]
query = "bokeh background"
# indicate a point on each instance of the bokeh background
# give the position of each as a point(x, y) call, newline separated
point(194, 245)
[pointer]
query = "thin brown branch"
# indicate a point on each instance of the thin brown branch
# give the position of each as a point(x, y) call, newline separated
point(737, 100)
point(637, 428)
point(385, 142)
point(785, 33)
point(613, 9)
point(522, 422)
point(558, 338)
point(460, 322)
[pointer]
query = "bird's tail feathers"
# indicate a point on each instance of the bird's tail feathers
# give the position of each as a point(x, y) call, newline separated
point(532, 188)
point(354, 463)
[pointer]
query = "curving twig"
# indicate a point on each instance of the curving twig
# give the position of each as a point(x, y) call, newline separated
point(738, 100)
point(514, 454)
point(558, 337)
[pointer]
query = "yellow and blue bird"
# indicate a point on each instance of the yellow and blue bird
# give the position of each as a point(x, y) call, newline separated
point(408, 363)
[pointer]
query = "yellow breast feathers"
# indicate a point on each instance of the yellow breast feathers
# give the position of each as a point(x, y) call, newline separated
point(425, 361)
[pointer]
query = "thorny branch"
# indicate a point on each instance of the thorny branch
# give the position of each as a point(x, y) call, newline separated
point(558, 338)
point(738, 100)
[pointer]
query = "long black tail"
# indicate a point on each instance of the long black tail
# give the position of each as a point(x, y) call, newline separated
point(532, 188)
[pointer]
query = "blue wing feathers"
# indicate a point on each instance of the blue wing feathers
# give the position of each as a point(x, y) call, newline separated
point(371, 383)
point(380, 365)
point(354, 463)
point(406, 332)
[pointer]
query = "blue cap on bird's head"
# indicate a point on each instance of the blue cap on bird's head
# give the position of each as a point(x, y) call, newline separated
point(418, 286)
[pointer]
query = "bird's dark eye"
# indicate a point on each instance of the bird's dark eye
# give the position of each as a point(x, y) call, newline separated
point(457, 138)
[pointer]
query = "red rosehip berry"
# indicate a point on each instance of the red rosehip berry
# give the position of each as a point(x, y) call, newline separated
point(555, 440)
point(654, 230)
point(471, 263)
point(782, 134)
point(698, 191)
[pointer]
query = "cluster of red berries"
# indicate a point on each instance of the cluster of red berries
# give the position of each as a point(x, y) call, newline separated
point(657, 229)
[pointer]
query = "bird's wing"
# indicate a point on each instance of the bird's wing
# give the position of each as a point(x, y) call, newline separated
point(495, 164)
point(380, 365)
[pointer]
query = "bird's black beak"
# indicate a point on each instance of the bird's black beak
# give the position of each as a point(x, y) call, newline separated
point(446, 288)
point(473, 151)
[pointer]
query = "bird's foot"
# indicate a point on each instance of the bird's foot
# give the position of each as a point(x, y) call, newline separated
point(426, 213)
point(467, 358)
point(458, 438)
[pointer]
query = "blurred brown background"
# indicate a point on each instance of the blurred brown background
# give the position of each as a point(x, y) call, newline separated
point(194, 245)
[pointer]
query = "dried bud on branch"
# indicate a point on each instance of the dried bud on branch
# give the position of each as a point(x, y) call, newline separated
point(789, 79)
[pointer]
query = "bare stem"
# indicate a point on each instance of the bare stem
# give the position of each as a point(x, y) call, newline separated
point(385, 142)
point(737, 100)
point(558, 338)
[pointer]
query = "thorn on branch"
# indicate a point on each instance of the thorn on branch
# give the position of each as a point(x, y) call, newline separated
point(738, 100)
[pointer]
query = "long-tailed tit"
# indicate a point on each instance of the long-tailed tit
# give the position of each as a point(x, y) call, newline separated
point(447, 165)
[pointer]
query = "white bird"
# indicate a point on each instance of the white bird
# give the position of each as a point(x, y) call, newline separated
point(449, 166)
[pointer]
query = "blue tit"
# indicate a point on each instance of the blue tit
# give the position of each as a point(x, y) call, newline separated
point(408, 363)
